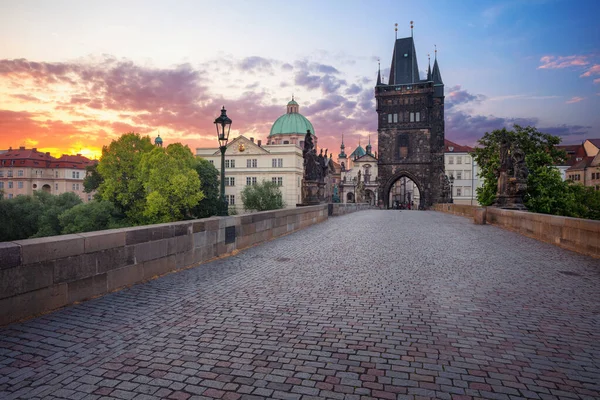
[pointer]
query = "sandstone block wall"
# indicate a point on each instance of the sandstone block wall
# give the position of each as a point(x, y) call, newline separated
point(40, 275)
point(575, 234)
point(345, 208)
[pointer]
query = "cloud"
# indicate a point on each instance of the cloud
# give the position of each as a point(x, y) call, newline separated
point(255, 63)
point(575, 99)
point(455, 96)
point(559, 62)
point(567, 130)
point(594, 70)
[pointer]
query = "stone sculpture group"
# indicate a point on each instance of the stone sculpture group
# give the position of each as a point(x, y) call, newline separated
point(317, 168)
point(512, 176)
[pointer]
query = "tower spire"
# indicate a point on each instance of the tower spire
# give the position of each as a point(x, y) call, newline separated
point(412, 70)
point(396, 30)
point(378, 72)
point(429, 67)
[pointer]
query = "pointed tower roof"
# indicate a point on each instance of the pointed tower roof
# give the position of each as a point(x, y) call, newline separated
point(436, 76)
point(404, 69)
point(369, 147)
point(428, 68)
point(379, 74)
point(342, 149)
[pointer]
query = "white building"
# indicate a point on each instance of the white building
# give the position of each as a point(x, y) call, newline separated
point(279, 161)
point(359, 160)
point(460, 165)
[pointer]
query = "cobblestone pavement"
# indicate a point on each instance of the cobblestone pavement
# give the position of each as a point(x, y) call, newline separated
point(376, 304)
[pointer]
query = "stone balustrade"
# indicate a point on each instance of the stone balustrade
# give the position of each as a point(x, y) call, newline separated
point(41, 275)
point(575, 234)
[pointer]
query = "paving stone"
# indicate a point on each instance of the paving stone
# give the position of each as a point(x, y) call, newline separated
point(375, 304)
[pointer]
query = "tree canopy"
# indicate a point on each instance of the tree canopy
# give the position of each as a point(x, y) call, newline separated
point(209, 178)
point(170, 182)
point(149, 184)
point(546, 191)
point(262, 197)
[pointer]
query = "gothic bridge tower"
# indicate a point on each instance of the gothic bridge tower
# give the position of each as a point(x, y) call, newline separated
point(410, 115)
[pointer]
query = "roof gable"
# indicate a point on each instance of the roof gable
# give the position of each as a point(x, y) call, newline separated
point(451, 147)
point(241, 145)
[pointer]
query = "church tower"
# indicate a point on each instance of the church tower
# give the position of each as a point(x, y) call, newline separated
point(410, 115)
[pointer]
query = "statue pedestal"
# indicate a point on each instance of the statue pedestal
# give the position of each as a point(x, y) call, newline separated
point(312, 192)
point(513, 199)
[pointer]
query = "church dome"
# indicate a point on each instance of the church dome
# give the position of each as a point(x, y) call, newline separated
point(292, 122)
point(158, 141)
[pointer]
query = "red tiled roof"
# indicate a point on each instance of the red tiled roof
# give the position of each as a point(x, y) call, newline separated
point(33, 158)
point(456, 148)
point(582, 164)
point(575, 153)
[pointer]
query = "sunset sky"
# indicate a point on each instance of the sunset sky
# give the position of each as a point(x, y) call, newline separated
point(75, 75)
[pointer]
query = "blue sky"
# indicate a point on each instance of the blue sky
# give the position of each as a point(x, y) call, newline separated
point(74, 75)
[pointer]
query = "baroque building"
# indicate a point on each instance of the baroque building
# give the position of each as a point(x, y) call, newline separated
point(24, 171)
point(248, 162)
point(410, 126)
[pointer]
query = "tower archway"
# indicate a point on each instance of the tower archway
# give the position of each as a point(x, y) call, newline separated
point(402, 189)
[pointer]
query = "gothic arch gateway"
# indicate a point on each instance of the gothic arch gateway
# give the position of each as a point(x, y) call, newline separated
point(387, 187)
point(410, 121)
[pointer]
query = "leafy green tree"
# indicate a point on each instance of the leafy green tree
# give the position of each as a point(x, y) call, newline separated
point(52, 207)
point(586, 202)
point(209, 178)
point(117, 168)
point(541, 155)
point(262, 197)
point(20, 217)
point(93, 179)
point(92, 216)
point(170, 182)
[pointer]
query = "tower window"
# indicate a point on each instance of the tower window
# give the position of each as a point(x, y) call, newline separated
point(389, 118)
point(402, 143)
point(395, 118)
point(412, 117)
point(417, 116)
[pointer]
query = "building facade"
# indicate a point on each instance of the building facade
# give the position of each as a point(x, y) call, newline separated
point(410, 120)
point(248, 163)
point(25, 171)
point(462, 167)
point(583, 163)
point(365, 162)
point(280, 161)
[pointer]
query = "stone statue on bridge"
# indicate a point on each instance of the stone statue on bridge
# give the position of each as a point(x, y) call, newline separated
point(512, 176)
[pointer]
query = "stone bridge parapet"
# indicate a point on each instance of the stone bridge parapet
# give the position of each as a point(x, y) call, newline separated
point(575, 234)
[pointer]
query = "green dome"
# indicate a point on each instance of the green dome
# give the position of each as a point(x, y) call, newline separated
point(291, 123)
point(292, 103)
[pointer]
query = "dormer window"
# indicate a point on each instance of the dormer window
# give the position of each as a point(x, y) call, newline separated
point(450, 148)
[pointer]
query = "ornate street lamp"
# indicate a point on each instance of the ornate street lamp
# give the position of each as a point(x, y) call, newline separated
point(223, 124)
point(451, 188)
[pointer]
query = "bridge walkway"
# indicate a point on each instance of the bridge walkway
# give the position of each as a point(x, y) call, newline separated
point(375, 304)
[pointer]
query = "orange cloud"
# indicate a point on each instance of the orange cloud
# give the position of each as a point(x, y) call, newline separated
point(575, 99)
point(594, 70)
point(558, 62)
point(77, 107)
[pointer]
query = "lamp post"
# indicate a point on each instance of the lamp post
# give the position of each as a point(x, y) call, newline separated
point(223, 124)
point(451, 188)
